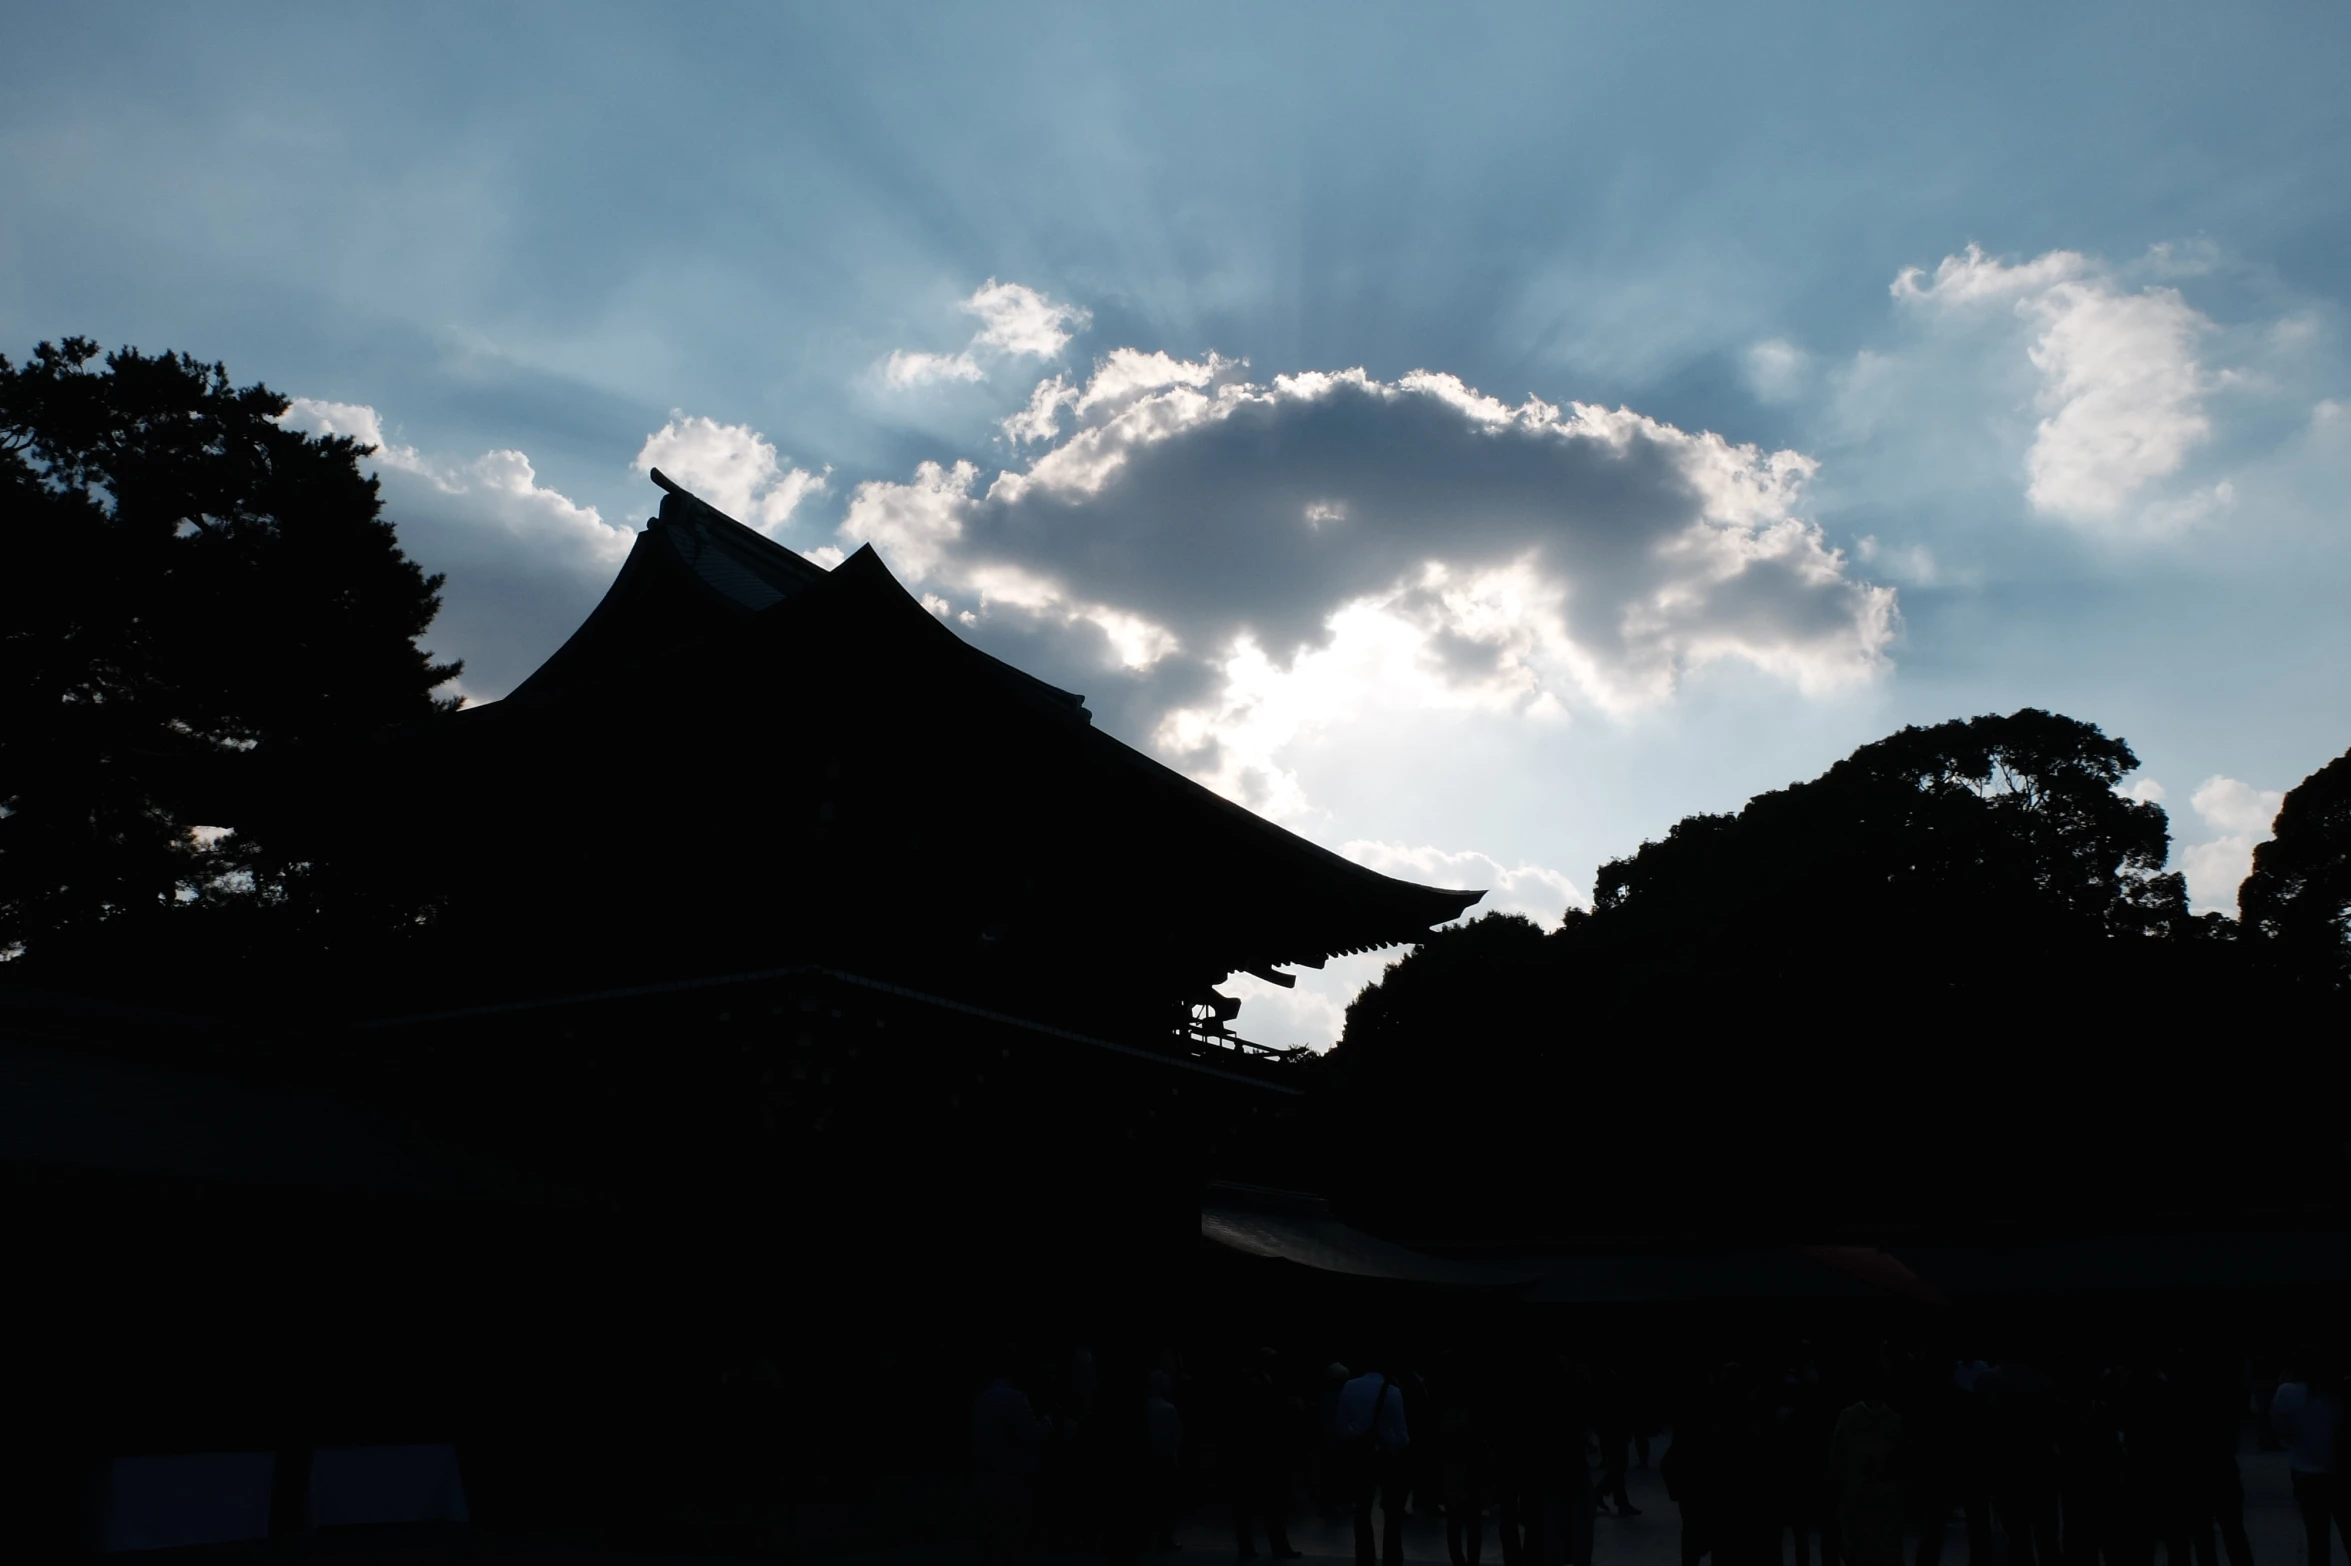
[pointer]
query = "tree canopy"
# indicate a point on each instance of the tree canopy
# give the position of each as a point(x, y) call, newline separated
point(2299, 894)
point(189, 582)
point(1933, 980)
point(2011, 817)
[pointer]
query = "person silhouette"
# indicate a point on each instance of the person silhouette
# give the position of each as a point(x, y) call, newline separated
point(1461, 1451)
point(1257, 1448)
point(1165, 1424)
point(2308, 1414)
point(1007, 1439)
point(2216, 1487)
point(1372, 1433)
point(1864, 1472)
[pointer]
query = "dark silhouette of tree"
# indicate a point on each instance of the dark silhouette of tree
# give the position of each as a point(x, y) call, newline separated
point(1929, 980)
point(2014, 818)
point(1448, 1052)
point(1477, 970)
point(2299, 894)
point(189, 584)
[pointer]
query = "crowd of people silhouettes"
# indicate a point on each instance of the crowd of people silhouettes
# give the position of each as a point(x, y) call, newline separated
point(1870, 1455)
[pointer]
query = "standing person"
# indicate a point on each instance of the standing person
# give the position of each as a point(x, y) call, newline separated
point(1747, 1515)
point(2216, 1487)
point(1461, 1458)
point(1510, 1403)
point(1573, 1468)
point(1864, 1473)
point(1372, 1434)
point(1007, 1439)
point(1812, 1417)
point(1952, 1472)
point(1257, 1447)
point(1166, 1426)
point(1332, 1481)
point(2023, 1462)
point(2308, 1414)
point(2154, 1467)
point(2261, 1384)
point(1612, 1417)
point(2089, 1470)
point(1689, 1469)
point(1120, 1443)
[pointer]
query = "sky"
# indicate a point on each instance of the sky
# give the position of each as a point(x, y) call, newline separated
point(1474, 437)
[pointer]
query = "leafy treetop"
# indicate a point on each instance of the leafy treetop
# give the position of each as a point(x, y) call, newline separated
point(188, 580)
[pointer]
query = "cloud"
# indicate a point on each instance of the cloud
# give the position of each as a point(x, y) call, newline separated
point(1315, 1012)
point(913, 524)
point(2242, 816)
point(733, 467)
point(1124, 374)
point(2121, 391)
point(1777, 371)
point(1022, 322)
point(525, 563)
point(1016, 322)
point(1541, 893)
point(1041, 419)
point(1246, 561)
point(1912, 563)
point(904, 369)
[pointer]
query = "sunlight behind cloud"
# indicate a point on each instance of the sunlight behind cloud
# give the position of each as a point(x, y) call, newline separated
point(733, 467)
point(1268, 555)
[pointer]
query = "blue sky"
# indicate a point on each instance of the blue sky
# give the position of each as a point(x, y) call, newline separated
point(1737, 383)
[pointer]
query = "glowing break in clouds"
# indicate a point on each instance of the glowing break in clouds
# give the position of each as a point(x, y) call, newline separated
point(1247, 561)
point(733, 467)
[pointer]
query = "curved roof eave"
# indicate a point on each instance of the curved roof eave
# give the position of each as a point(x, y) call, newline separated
point(1416, 906)
point(746, 576)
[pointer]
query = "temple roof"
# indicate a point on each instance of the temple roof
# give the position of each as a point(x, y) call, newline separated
point(818, 746)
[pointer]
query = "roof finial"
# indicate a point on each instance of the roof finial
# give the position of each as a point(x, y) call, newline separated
point(665, 482)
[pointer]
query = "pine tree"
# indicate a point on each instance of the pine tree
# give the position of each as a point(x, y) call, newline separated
point(190, 588)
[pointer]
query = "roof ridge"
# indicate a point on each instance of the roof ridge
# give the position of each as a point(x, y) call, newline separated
point(690, 522)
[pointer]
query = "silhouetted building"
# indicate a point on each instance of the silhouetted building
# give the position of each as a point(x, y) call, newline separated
point(795, 983)
point(742, 759)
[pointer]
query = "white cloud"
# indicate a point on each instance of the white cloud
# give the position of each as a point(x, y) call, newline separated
point(525, 563)
point(1041, 419)
point(1256, 559)
point(1971, 277)
point(1314, 1013)
point(732, 466)
point(1020, 321)
point(2121, 391)
point(1777, 371)
point(913, 524)
point(905, 368)
point(2241, 815)
point(1541, 893)
point(1124, 374)
point(1911, 563)
point(355, 419)
point(1016, 322)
